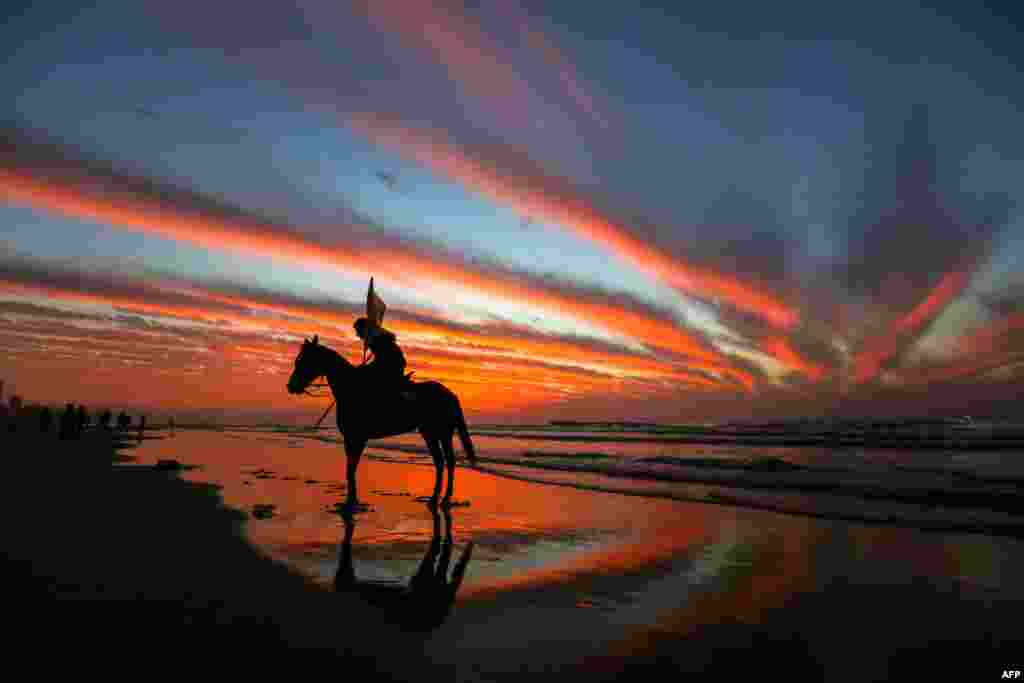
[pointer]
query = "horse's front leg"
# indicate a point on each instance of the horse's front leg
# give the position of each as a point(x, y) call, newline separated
point(449, 460)
point(353, 451)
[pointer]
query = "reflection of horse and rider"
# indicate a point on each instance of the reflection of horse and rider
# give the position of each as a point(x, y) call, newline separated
point(397, 404)
point(426, 601)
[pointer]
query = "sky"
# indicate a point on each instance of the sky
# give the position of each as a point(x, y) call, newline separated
point(590, 211)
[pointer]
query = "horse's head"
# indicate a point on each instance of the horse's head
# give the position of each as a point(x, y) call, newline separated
point(309, 365)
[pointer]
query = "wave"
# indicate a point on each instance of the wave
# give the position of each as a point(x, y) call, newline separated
point(922, 498)
point(958, 440)
point(822, 506)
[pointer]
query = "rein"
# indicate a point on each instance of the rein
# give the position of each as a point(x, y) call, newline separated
point(320, 385)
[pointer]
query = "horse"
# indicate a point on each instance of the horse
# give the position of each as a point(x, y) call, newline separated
point(428, 407)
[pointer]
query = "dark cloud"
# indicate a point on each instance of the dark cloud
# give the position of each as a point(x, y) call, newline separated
point(744, 236)
point(1007, 302)
point(102, 286)
point(903, 235)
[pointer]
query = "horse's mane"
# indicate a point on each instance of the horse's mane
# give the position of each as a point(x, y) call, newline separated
point(335, 358)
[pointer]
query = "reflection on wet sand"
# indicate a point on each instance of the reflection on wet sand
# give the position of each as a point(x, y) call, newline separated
point(427, 600)
point(839, 601)
point(562, 575)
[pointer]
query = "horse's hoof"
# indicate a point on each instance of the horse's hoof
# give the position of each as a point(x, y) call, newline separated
point(350, 508)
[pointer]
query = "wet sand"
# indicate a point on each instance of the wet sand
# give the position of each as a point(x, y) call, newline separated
point(560, 580)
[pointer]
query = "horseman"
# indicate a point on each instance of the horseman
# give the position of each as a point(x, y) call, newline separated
point(388, 365)
point(387, 369)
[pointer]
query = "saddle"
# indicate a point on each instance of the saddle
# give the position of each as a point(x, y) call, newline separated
point(403, 390)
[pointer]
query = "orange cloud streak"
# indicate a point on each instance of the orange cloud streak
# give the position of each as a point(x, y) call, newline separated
point(538, 197)
point(150, 217)
point(481, 343)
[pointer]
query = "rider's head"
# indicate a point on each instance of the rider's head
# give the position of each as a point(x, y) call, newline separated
point(360, 327)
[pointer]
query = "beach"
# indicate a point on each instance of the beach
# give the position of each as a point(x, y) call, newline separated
point(238, 552)
point(111, 563)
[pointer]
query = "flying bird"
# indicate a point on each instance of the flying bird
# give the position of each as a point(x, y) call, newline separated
point(390, 180)
point(146, 113)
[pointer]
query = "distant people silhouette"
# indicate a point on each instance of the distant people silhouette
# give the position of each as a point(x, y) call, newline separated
point(427, 600)
point(142, 426)
point(45, 418)
point(14, 413)
point(123, 421)
point(67, 422)
point(432, 409)
point(82, 421)
point(105, 419)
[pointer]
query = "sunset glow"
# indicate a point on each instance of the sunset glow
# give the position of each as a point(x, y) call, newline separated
point(565, 221)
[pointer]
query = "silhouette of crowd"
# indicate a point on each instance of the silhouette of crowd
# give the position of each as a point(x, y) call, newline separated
point(70, 423)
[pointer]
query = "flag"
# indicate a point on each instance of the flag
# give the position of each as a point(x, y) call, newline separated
point(374, 314)
point(374, 307)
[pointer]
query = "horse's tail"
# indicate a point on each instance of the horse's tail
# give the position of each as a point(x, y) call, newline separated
point(467, 443)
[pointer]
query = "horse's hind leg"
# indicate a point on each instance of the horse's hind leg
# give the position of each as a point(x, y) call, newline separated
point(449, 459)
point(435, 452)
